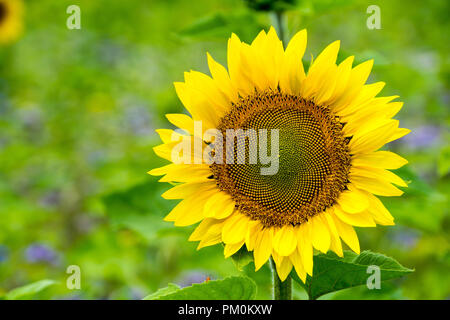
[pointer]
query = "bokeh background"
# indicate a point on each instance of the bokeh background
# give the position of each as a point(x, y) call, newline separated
point(78, 109)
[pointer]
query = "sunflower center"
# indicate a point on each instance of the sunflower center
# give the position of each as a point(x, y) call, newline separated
point(313, 159)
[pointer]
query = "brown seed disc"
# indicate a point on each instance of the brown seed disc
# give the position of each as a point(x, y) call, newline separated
point(313, 159)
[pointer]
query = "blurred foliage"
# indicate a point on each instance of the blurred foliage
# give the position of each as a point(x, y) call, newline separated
point(78, 109)
point(271, 5)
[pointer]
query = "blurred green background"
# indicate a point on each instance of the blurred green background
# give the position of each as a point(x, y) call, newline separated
point(78, 109)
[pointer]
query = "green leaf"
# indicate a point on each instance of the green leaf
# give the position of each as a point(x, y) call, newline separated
point(218, 26)
point(205, 24)
point(140, 208)
point(271, 5)
point(171, 288)
point(332, 273)
point(29, 290)
point(242, 258)
point(444, 161)
point(320, 7)
point(419, 197)
point(388, 291)
point(231, 288)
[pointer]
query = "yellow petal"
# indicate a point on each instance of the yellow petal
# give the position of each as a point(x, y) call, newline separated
point(284, 267)
point(210, 91)
point(228, 207)
point(347, 233)
point(392, 109)
point(399, 133)
point(326, 90)
point(185, 190)
point(365, 96)
point(305, 247)
point(219, 206)
point(186, 150)
point(161, 171)
point(293, 73)
point(367, 117)
point(232, 248)
point(374, 139)
point(213, 234)
point(320, 234)
point(254, 228)
point(187, 173)
point(298, 265)
point(182, 121)
point(342, 77)
point(269, 63)
point(318, 70)
point(169, 135)
point(379, 174)
point(379, 159)
point(353, 201)
point(208, 225)
point(165, 150)
point(197, 105)
point(209, 240)
point(285, 241)
point(220, 74)
point(358, 76)
point(335, 244)
point(375, 186)
point(235, 228)
point(190, 210)
point(180, 211)
point(361, 219)
point(263, 247)
point(379, 212)
point(236, 67)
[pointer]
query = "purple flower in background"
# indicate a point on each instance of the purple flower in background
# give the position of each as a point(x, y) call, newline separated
point(51, 199)
point(137, 117)
point(423, 136)
point(36, 253)
point(405, 237)
point(194, 277)
point(4, 253)
point(136, 294)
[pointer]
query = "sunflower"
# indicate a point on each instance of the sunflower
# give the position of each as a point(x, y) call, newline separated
point(331, 126)
point(10, 20)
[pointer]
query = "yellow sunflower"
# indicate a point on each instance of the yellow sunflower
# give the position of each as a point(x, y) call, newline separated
point(10, 20)
point(331, 126)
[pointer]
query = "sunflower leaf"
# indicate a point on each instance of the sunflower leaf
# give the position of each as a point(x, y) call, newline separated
point(231, 288)
point(29, 290)
point(332, 273)
point(219, 25)
point(242, 258)
point(161, 293)
point(139, 208)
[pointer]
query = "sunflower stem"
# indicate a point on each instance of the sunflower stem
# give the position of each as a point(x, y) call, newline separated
point(282, 290)
point(279, 16)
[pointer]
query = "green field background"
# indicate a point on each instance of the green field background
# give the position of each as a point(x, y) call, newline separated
point(78, 110)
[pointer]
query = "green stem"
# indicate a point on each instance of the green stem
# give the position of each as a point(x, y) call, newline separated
point(282, 290)
point(279, 16)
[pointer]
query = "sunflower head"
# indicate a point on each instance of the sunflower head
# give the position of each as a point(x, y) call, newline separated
point(11, 12)
point(281, 160)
